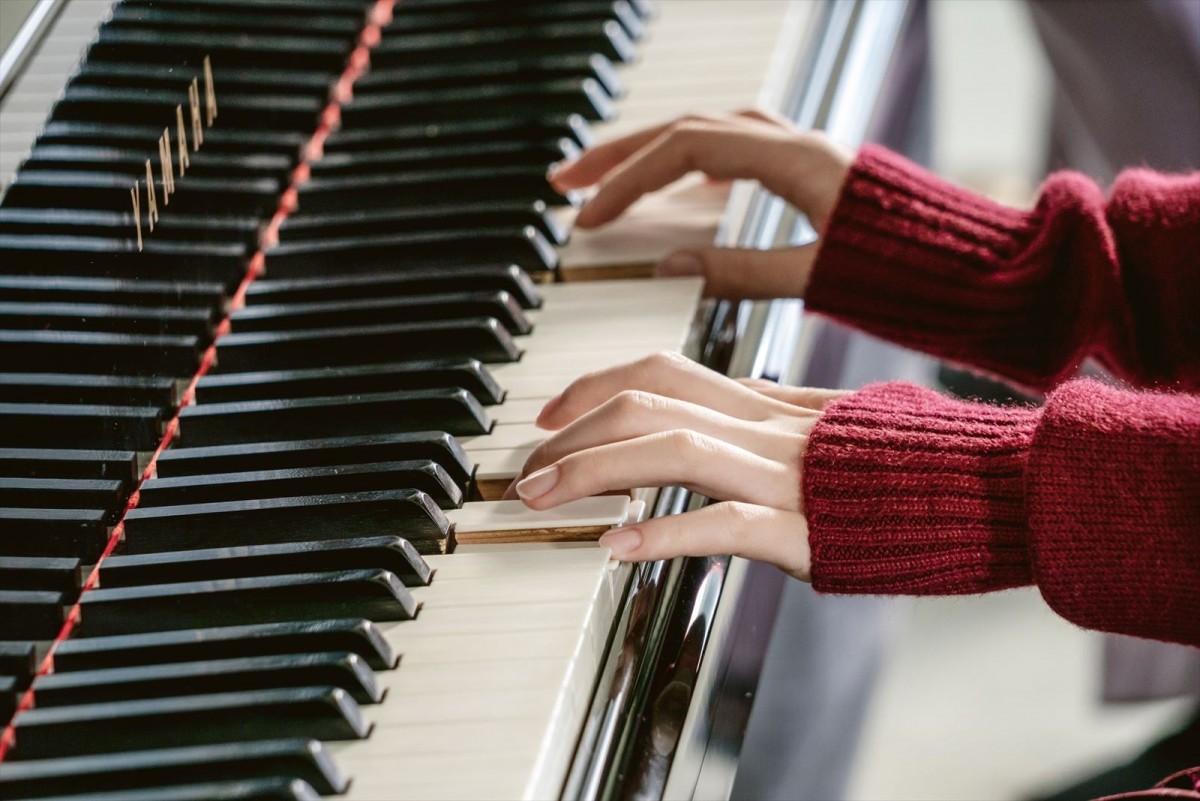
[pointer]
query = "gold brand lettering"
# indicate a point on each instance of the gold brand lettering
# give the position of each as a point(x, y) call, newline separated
point(194, 104)
point(181, 134)
point(135, 195)
point(151, 200)
point(165, 166)
point(210, 92)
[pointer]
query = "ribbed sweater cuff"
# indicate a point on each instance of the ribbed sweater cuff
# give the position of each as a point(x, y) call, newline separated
point(909, 492)
point(916, 260)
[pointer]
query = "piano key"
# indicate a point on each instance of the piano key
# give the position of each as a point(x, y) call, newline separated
point(582, 520)
point(513, 126)
point(453, 410)
point(374, 594)
point(72, 289)
point(30, 614)
point(55, 574)
point(31, 424)
point(468, 374)
point(195, 321)
point(108, 258)
point(246, 49)
point(523, 246)
point(146, 106)
point(161, 392)
point(465, 278)
point(230, 79)
point(418, 187)
point(269, 789)
point(109, 191)
point(355, 635)
point(70, 493)
point(53, 532)
point(95, 351)
point(605, 37)
point(262, 759)
point(19, 660)
point(436, 446)
point(583, 96)
point(325, 314)
point(516, 67)
point(425, 476)
point(489, 213)
point(218, 138)
point(169, 20)
point(305, 9)
point(117, 224)
point(406, 512)
point(326, 713)
point(68, 463)
point(331, 669)
point(478, 337)
point(391, 553)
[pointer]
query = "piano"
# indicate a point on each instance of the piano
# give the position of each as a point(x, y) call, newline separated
point(282, 290)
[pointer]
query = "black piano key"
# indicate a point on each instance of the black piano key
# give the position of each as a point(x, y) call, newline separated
point(30, 424)
point(98, 351)
point(75, 289)
point(109, 191)
point(391, 553)
point(219, 138)
point(605, 37)
point(355, 635)
point(19, 660)
point(65, 493)
point(513, 126)
point(335, 669)
point(406, 512)
point(478, 338)
point(583, 96)
point(269, 789)
point(430, 280)
point(53, 532)
point(168, 20)
point(326, 314)
point(30, 614)
point(103, 257)
point(195, 320)
point(436, 446)
point(304, 9)
point(161, 392)
point(118, 224)
point(419, 187)
point(228, 79)
point(68, 463)
point(511, 69)
point(262, 759)
point(132, 161)
point(454, 411)
point(326, 713)
point(411, 18)
point(61, 574)
point(467, 374)
point(145, 106)
point(471, 214)
point(10, 695)
point(524, 246)
point(425, 476)
point(245, 49)
point(374, 594)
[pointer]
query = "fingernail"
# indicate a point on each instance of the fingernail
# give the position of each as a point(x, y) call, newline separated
point(681, 264)
point(557, 167)
point(549, 408)
point(621, 540)
point(535, 485)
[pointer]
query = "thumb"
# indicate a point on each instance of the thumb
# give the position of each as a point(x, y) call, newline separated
point(744, 273)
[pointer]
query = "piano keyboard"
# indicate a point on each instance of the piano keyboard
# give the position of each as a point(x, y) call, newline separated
point(281, 613)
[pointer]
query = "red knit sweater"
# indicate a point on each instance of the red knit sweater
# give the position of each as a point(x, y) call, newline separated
point(1095, 496)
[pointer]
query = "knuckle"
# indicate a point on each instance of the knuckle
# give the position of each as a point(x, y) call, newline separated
point(690, 444)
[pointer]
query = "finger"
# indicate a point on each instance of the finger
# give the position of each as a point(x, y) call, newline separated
point(771, 118)
point(764, 534)
point(700, 463)
point(743, 273)
point(633, 413)
point(666, 374)
point(806, 397)
point(599, 160)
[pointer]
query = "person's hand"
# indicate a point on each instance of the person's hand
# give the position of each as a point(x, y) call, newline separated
point(805, 168)
point(665, 420)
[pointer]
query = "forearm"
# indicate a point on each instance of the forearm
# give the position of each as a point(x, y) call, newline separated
point(1095, 498)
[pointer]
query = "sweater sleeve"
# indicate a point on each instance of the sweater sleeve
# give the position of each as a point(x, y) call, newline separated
point(1094, 497)
point(1027, 295)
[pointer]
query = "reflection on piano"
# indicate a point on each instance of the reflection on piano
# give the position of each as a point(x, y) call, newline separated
point(251, 450)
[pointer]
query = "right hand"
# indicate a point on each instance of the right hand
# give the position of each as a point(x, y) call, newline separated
point(805, 168)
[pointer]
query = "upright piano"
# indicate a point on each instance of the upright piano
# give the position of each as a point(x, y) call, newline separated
point(282, 290)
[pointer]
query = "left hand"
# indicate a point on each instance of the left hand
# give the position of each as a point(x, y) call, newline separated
point(665, 420)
